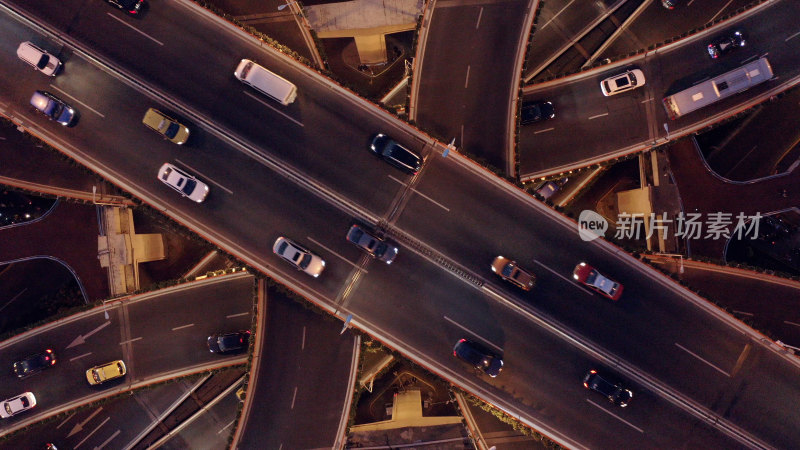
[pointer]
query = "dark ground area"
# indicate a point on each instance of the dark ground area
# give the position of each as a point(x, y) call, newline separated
point(182, 251)
point(375, 406)
point(17, 207)
point(750, 146)
point(374, 81)
point(34, 290)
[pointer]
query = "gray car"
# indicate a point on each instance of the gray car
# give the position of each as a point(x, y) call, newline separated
point(373, 245)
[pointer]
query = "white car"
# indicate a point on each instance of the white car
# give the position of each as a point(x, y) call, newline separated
point(299, 256)
point(625, 81)
point(185, 184)
point(40, 60)
point(16, 405)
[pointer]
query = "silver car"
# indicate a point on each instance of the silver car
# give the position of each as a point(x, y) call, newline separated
point(298, 256)
point(625, 81)
point(185, 184)
point(40, 60)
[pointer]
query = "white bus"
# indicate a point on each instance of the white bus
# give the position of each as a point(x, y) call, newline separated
point(722, 86)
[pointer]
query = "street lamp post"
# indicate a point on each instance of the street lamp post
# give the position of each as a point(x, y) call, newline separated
point(666, 127)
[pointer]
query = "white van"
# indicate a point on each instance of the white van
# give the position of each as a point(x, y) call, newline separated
point(266, 82)
point(41, 60)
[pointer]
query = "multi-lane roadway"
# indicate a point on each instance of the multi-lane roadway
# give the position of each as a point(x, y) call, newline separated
point(304, 171)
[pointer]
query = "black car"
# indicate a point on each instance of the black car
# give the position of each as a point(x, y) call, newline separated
point(725, 44)
point(395, 154)
point(129, 6)
point(613, 391)
point(229, 342)
point(35, 363)
point(533, 112)
point(478, 357)
point(375, 246)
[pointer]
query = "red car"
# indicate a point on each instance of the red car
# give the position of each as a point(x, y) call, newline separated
point(589, 276)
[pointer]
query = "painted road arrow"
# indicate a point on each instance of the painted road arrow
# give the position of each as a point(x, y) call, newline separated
point(82, 338)
point(79, 426)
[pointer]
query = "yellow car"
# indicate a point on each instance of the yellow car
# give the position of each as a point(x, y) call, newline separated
point(166, 126)
point(105, 372)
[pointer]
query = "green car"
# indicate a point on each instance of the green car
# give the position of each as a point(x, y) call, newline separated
point(166, 126)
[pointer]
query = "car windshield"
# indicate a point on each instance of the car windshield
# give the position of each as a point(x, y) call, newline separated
point(623, 81)
point(25, 402)
point(380, 249)
point(43, 62)
point(188, 187)
point(305, 261)
point(246, 70)
point(8, 409)
point(172, 130)
point(507, 269)
point(53, 109)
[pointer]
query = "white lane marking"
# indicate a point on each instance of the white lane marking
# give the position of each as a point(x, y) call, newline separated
point(743, 313)
point(303, 341)
point(466, 81)
point(182, 327)
point(294, 396)
point(135, 29)
point(701, 359)
point(616, 416)
point(205, 177)
point(599, 115)
point(76, 100)
point(497, 347)
point(792, 36)
point(90, 434)
point(462, 135)
point(338, 255)
point(130, 340)
point(422, 195)
point(647, 100)
point(108, 440)
point(557, 14)
point(568, 280)
point(79, 356)
point(259, 100)
point(719, 12)
point(65, 420)
point(544, 131)
point(226, 426)
point(231, 316)
point(478, 23)
point(13, 298)
point(791, 323)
